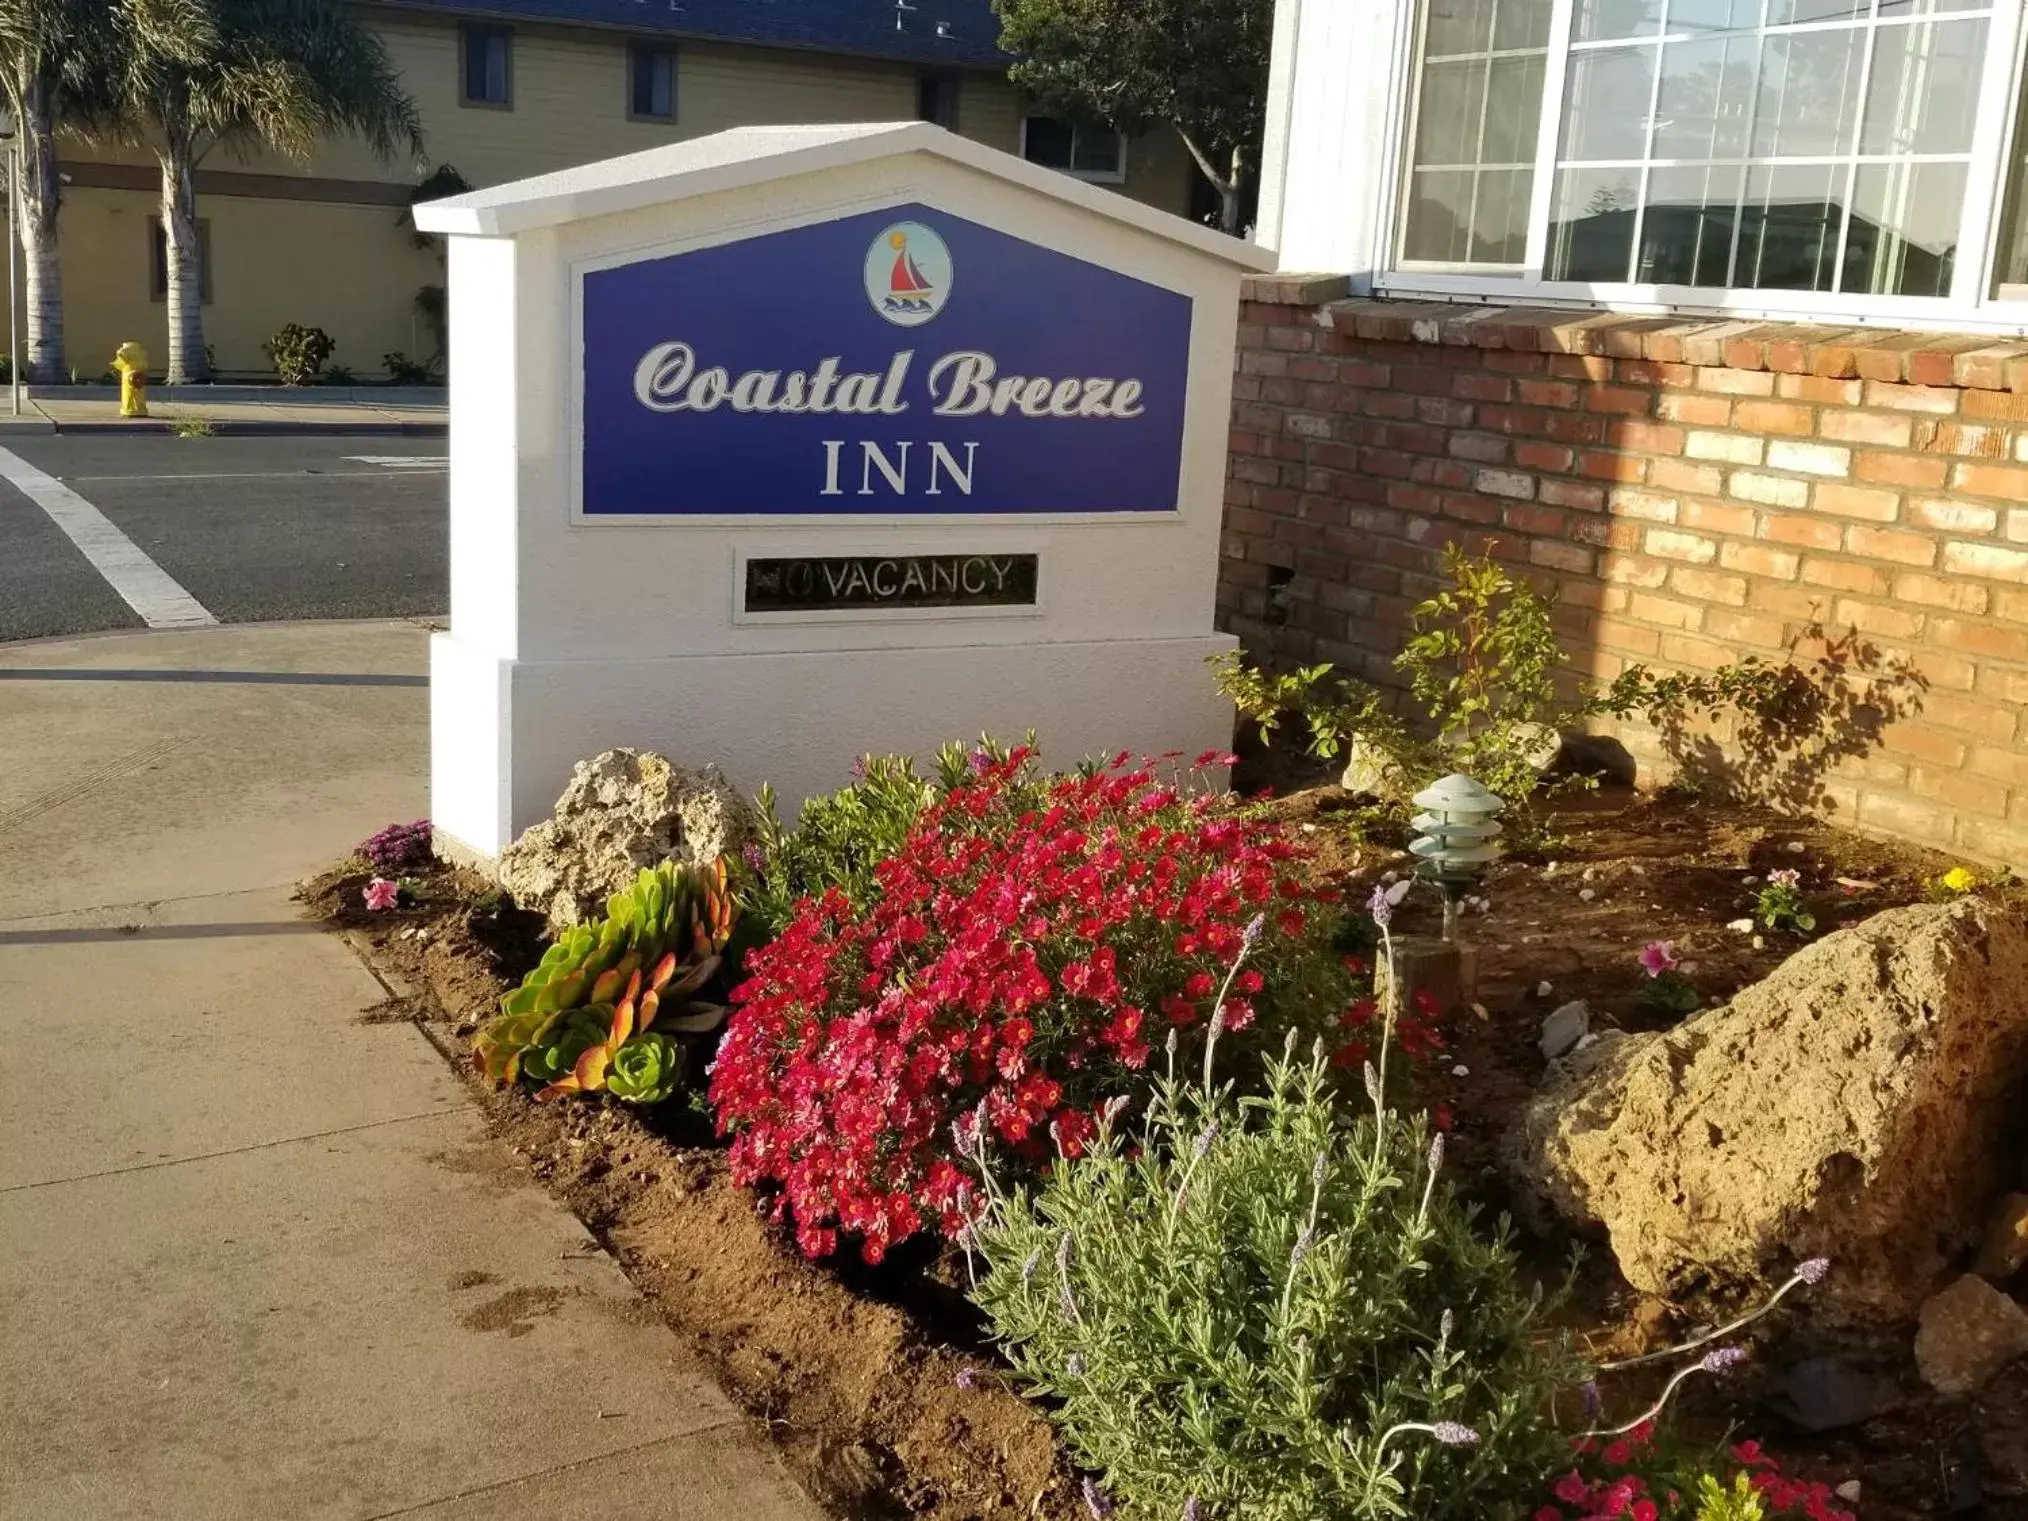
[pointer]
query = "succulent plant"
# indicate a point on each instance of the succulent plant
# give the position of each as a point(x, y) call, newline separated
point(600, 983)
point(646, 1068)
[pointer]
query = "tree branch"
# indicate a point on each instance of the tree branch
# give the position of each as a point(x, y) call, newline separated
point(1222, 186)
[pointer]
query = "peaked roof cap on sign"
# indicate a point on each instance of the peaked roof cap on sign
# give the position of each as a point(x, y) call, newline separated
point(744, 156)
point(954, 33)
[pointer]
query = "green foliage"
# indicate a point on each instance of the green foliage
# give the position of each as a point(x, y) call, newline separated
point(191, 427)
point(838, 840)
point(1779, 904)
point(1484, 666)
point(1669, 993)
point(340, 375)
point(1742, 1502)
point(299, 353)
point(580, 1021)
point(404, 371)
point(1198, 66)
point(1257, 1306)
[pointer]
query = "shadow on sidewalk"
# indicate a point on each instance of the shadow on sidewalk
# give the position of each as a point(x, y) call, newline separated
point(101, 934)
point(244, 678)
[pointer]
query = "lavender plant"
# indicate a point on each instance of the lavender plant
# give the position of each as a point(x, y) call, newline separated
point(1245, 1307)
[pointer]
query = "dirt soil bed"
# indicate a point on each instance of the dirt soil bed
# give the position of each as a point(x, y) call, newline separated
point(855, 1371)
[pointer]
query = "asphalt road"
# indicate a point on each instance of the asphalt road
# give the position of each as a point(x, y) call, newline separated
point(255, 529)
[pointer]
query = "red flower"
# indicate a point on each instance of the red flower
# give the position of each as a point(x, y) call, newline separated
point(1004, 966)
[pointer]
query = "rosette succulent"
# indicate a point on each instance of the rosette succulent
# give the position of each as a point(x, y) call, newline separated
point(646, 1069)
point(604, 982)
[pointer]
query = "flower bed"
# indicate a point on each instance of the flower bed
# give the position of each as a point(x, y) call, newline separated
point(871, 1367)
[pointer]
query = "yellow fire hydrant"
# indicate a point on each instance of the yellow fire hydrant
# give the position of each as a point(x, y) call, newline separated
point(132, 363)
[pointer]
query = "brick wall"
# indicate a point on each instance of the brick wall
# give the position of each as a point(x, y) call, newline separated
point(1698, 491)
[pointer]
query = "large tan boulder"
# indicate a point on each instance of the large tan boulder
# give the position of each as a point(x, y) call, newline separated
point(1863, 1103)
point(623, 810)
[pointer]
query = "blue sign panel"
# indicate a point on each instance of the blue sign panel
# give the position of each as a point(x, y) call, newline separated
point(898, 362)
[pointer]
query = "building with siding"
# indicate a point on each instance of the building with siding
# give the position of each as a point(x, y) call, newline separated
point(509, 88)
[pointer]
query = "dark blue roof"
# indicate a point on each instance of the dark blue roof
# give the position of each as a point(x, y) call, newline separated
point(952, 32)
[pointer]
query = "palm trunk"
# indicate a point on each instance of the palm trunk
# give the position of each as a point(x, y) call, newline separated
point(35, 219)
point(187, 359)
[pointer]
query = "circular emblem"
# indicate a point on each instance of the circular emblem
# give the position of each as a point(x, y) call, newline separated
point(908, 274)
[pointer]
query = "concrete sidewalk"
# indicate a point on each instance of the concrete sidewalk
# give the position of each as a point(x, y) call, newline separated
point(258, 1258)
point(340, 411)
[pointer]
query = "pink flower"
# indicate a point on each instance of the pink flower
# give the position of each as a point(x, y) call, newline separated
point(1786, 876)
point(382, 894)
point(1657, 957)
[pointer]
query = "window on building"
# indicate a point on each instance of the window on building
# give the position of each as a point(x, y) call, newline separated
point(488, 74)
point(1687, 151)
point(651, 82)
point(1089, 153)
point(158, 261)
point(936, 99)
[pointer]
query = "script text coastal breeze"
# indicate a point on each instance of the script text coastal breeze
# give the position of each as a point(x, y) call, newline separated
point(965, 383)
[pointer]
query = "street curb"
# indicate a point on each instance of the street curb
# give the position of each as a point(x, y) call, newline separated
point(365, 396)
point(244, 428)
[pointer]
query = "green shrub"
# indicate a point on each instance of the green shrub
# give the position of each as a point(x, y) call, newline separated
point(1483, 664)
point(299, 353)
point(404, 371)
point(1252, 1311)
point(340, 375)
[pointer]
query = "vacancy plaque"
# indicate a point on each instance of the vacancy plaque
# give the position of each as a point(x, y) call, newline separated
point(880, 583)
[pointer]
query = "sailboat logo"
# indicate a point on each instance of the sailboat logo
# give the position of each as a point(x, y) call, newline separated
point(908, 274)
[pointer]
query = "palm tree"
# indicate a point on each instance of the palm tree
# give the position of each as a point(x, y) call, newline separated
point(57, 61)
point(277, 74)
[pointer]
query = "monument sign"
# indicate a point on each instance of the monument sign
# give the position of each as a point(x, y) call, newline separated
point(787, 444)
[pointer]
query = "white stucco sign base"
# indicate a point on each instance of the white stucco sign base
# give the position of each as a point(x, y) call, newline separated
point(785, 445)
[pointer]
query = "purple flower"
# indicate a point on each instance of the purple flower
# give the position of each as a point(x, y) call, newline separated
point(1380, 907)
point(1445, 1324)
point(755, 857)
point(1193, 1509)
point(1318, 1169)
point(1096, 1500)
point(1204, 1139)
point(1074, 1365)
point(399, 848)
point(1436, 1152)
point(1302, 1250)
point(968, 1379)
point(1451, 1434)
point(1592, 1403)
point(1063, 1253)
point(982, 762)
point(1718, 1359)
point(1814, 1271)
point(1657, 957)
point(1028, 1268)
point(1372, 1077)
point(1254, 926)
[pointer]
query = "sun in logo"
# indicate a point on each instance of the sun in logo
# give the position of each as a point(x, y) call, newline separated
point(908, 274)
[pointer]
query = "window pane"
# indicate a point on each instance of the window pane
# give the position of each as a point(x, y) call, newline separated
point(1606, 110)
point(654, 91)
point(1923, 95)
point(1789, 12)
point(1788, 232)
point(1706, 97)
point(1094, 150)
point(1500, 216)
point(486, 66)
point(1686, 233)
point(1438, 227)
point(1591, 224)
point(1046, 140)
point(1458, 26)
point(1809, 88)
point(1453, 96)
point(1595, 20)
point(1513, 111)
point(1712, 15)
point(1520, 24)
point(1904, 234)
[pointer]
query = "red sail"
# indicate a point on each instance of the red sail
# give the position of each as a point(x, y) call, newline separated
point(906, 278)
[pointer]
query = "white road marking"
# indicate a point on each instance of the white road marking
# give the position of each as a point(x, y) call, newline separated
point(403, 461)
point(142, 584)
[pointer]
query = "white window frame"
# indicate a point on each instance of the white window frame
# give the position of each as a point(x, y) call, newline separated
point(1972, 304)
point(1091, 176)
